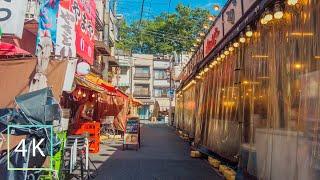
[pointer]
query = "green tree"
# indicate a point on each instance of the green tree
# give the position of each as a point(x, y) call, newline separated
point(165, 33)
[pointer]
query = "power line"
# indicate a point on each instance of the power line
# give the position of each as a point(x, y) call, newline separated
point(141, 12)
point(168, 34)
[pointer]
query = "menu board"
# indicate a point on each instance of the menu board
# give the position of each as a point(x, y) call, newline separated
point(132, 132)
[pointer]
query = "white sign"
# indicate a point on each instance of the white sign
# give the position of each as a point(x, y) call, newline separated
point(66, 35)
point(69, 77)
point(12, 14)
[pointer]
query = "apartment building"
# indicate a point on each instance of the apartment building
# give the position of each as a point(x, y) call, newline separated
point(161, 83)
point(123, 79)
point(147, 78)
point(142, 83)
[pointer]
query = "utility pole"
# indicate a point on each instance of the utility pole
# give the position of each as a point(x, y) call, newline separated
point(171, 88)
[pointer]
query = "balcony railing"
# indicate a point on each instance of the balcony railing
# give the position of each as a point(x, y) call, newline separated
point(142, 75)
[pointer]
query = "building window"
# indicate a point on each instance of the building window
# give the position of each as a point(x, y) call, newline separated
point(141, 90)
point(123, 70)
point(161, 92)
point(160, 74)
point(142, 72)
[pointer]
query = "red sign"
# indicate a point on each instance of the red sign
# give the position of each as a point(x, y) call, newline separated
point(212, 40)
point(85, 13)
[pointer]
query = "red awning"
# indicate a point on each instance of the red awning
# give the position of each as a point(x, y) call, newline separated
point(7, 49)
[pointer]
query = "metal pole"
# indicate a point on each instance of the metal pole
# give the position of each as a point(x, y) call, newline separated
point(170, 97)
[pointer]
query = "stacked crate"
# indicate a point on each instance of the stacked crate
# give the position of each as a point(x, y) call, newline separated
point(92, 129)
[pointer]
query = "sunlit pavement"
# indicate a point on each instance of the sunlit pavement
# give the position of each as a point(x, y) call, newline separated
point(163, 155)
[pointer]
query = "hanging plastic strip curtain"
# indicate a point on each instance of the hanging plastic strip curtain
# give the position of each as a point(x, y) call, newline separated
point(260, 106)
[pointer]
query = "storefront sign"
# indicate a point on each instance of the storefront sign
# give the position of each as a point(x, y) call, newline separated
point(228, 18)
point(85, 13)
point(231, 15)
point(214, 37)
point(66, 35)
point(48, 19)
point(12, 16)
point(131, 135)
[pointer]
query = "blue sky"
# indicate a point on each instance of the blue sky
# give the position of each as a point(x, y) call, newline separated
point(131, 8)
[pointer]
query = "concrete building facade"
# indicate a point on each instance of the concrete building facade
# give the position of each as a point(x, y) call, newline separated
point(147, 78)
point(142, 83)
point(161, 83)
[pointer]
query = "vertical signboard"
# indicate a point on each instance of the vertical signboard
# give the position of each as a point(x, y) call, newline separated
point(231, 15)
point(85, 14)
point(132, 133)
point(66, 34)
point(48, 20)
point(12, 16)
point(215, 35)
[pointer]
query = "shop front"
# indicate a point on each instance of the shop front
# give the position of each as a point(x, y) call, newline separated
point(253, 101)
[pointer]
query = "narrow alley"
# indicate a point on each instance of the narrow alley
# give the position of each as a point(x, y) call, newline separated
point(163, 155)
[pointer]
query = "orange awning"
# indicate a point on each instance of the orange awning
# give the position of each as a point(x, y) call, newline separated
point(97, 80)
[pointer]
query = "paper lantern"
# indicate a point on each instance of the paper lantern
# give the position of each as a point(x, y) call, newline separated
point(83, 68)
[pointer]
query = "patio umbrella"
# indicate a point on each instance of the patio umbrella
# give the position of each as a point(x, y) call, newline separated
point(7, 49)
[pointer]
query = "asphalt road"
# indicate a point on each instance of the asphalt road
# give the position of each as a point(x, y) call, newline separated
point(162, 156)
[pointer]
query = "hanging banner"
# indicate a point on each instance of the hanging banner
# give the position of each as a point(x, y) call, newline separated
point(66, 34)
point(85, 13)
point(12, 16)
point(48, 20)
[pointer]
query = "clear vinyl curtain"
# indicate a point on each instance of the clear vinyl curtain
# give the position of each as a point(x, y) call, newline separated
point(260, 106)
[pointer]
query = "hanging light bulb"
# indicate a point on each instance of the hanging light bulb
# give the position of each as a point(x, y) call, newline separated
point(93, 95)
point(268, 16)
point(242, 39)
point(236, 44)
point(211, 18)
point(198, 40)
point(84, 95)
point(263, 20)
point(216, 7)
point(205, 26)
point(202, 34)
point(226, 52)
point(231, 48)
point(278, 12)
point(249, 32)
point(195, 45)
point(292, 2)
point(79, 92)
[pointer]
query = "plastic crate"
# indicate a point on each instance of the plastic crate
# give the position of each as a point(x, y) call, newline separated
point(93, 129)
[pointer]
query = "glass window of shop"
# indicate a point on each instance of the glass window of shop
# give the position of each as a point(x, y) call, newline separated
point(260, 106)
